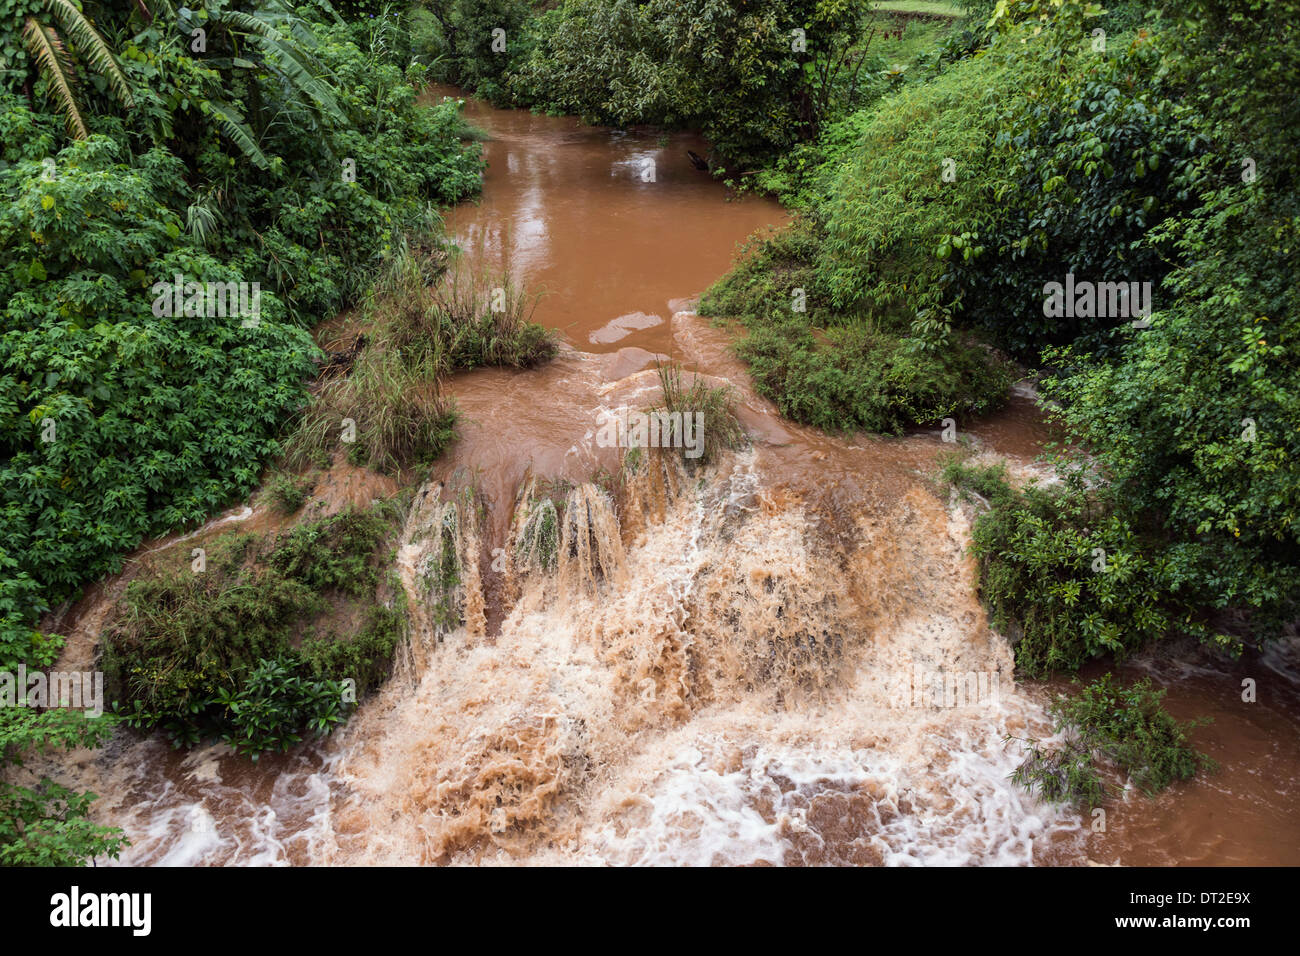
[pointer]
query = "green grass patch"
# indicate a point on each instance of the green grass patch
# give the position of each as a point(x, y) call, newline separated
point(844, 370)
point(927, 8)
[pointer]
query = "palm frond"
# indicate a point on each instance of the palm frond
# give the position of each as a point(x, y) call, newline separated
point(234, 128)
point(288, 61)
point(279, 12)
point(91, 46)
point(50, 55)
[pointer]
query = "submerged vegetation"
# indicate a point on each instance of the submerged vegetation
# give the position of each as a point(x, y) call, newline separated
point(1126, 726)
point(709, 407)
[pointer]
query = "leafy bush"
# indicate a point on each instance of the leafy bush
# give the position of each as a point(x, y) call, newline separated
point(1194, 424)
point(307, 168)
point(289, 492)
point(1125, 725)
point(850, 377)
point(1064, 575)
point(273, 704)
point(1063, 774)
point(465, 47)
point(48, 824)
point(1130, 727)
point(366, 656)
point(1095, 160)
point(1195, 481)
point(214, 652)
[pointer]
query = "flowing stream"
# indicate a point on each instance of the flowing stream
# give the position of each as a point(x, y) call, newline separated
point(709, 672)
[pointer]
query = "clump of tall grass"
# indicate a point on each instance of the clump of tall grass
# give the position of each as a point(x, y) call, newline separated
point(390, 412)
point(486, 319)
point(718, 427)
point(430, 315)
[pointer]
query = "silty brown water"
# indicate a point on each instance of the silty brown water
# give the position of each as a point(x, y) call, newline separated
point(709, 673)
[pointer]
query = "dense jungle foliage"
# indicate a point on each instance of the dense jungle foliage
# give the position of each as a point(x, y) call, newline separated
point(245, 651)
point(148, 143)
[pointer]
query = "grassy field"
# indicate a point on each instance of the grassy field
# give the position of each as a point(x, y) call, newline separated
point(922, 7)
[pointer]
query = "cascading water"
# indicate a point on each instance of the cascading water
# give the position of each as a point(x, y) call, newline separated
point(629, 660)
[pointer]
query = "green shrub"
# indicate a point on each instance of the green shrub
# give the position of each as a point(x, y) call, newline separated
point(318, 196)
point(1063, 774)
point(729, 69)
point(1127, 726)
point(1065, 576)
point(213, 652)
point(849, 377)
point(762, 284)
point(843, 370)
point(365, 657)
point(334, 554)
point(289, 492)
point(272, 706)
point(1130, 727)
point(1192, 485)
point(460, 37)
point(1094, 161)
point(1193, 424)
point(894, 219)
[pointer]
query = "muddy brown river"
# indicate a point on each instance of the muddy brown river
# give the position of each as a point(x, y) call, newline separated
point(710, 673)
